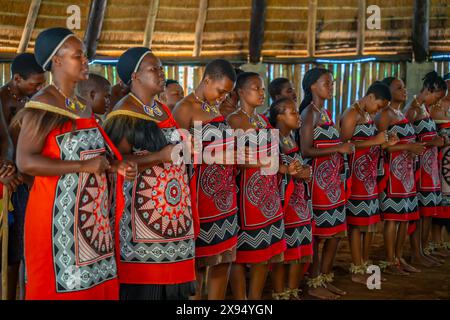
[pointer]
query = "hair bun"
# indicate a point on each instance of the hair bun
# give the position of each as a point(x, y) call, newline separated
point(432, 75)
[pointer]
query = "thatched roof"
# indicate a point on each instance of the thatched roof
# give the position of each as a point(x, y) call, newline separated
point(227, 26)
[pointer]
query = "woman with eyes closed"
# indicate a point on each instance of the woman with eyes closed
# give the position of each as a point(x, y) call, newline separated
point(69, 236)
point(212, 182)
point(155, 231)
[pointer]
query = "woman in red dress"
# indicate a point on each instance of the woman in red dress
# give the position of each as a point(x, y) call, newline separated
point(428, 182)
point(440, 113)
point(261, 228)
point(320, 144)
point(155, 246)
point(213, 180)
point(398, 196)
point(296, 204)
point(363, 206)
point(69, 239)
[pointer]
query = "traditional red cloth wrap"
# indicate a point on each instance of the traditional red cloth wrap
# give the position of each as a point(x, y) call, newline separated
point(297, 211)
point(382, 183)
point(444, 165)
point(288, 195)
point(363, 205)
point(156, 228)
point(327, 188)
point(216, 192)
point(427, 177)
point(398, 202)
point(261, 228)
point(69, 245)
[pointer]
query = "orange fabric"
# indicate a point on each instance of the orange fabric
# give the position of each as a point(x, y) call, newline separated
point(40, 236)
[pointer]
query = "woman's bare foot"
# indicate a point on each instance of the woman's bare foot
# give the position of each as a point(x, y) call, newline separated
point(358, 273)
point(442, 253)
point(430, 253)
point(434, 260)
point(322, 293)
point(422, 261)
point(395, 270)
point(407, 267)
point(359, 278)
point(335, 290)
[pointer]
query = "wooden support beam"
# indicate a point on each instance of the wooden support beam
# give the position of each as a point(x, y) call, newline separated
point(420, 31)
point(288, 71)
point(94, 27)
point(402, 71)
point(29, 25)
point(276, 71)
point(388, 69)
point(354, 76)
point(176, 73)
point(197, 76)
point(256, 38)
point(339, 93)
point(365, 79)
point(199, 26)
point(361, 27)
point(312, 19)
point(185, 78)
point(150, 25)
point(374, 76)
point(345, 92)
point(298, 76)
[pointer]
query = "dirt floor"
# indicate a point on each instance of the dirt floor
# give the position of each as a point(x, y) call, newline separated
point(431, 283)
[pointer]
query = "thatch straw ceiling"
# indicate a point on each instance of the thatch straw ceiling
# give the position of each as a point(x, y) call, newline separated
point(226, 30)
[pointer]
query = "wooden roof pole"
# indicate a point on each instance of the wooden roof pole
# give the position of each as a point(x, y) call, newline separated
point(150, 25)
point(361, 27)
point(256, 38)
point(420, 30)
point(94, 27)
point(199, 26)
point(312, 18)
point(29, 25)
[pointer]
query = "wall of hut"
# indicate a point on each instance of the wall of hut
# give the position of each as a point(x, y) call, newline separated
point(351, 79)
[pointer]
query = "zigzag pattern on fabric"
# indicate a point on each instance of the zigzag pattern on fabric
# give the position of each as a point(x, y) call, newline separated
point(366, 130)
point(298, 237)
point(432, 198)
point(366, 207)
point(424, 126)
point(400, 206)
point(403, 130)
point(208, 130)
point(331, 133)
point(287, 159)
point(263, 236)
point(331, 218)
point(217, 231)
point(262, 136)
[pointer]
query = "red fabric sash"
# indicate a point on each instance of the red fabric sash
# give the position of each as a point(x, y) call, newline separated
point(288, 194)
